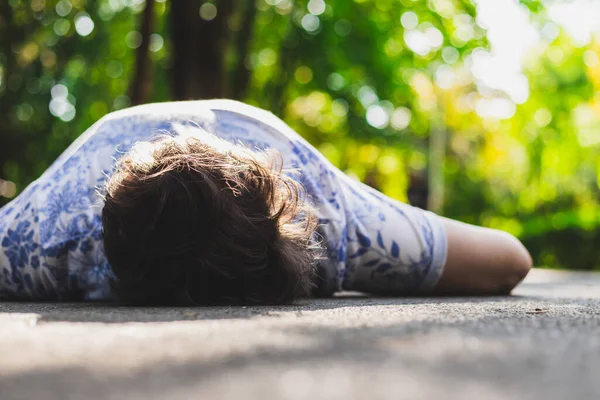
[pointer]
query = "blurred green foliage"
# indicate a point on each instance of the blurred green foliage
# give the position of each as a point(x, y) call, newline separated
point(383, 88)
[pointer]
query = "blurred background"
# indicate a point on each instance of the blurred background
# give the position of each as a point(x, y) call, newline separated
point(487, 111)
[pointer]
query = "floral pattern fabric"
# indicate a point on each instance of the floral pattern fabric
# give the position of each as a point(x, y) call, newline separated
point(50, 235)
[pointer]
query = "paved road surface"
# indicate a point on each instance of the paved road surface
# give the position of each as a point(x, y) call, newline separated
point(542, 343)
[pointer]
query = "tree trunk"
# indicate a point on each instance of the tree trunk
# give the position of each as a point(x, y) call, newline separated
point(199, 47)
point(418, 189)
point(241, 72)
point(285, 70)
point(142, 79)
point(11, 139)
point(437, 157)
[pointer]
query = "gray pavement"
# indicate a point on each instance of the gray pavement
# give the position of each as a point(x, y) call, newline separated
point(541, 343)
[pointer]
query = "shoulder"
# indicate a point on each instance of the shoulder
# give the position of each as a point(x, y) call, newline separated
point(167, 110)
point(192, 109)
point(232, 110)
point(239, 108)
point(207, 113)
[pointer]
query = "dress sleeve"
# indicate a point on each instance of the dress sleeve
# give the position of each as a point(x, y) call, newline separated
point(392, 247)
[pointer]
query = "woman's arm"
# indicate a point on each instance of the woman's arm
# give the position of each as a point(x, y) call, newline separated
point(482, 261)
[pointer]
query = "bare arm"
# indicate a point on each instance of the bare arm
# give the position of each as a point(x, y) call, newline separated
point(482, 261)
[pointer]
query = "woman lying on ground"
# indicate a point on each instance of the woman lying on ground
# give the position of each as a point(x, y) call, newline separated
point(213, 202)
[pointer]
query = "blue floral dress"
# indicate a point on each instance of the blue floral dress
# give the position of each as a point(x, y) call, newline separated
point(50, 235)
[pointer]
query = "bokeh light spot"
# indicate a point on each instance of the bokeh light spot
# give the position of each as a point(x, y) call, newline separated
point(303, 74)
point(555, 54)
point(284, 7)
point(121, 102)
point(335, 81)
point(114, 69)
point(450, 55)
point(63, 8)
point(388, 164)
point(69, 113)
point(33, 85)
point(310, 23)
point(208, 11)
point(444, 77)
point(401, 118)
point(84, 25)
point(133, 39)
point(339, 107)
point(316, 7)
point(377, 117)
point(59, 90)
point(267, 57)
point(62, 26)
point(24, 112)
point(342, 27)
point(156, 42)
point(37, 5)
point(409, 20)
point(590, 58)
point(542, 117)
point(495, 109)
point(434, 36)
point(367, 96)
point(8, 189)
point(550, 31)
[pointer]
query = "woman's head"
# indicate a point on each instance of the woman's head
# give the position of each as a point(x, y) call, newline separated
point(204, 221)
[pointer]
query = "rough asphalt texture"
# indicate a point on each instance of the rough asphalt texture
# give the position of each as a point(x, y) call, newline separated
point(541, 343)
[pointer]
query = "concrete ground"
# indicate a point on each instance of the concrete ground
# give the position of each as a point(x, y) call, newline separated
point(543, 342)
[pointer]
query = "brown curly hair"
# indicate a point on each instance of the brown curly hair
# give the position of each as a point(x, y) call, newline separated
point(205, 221)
